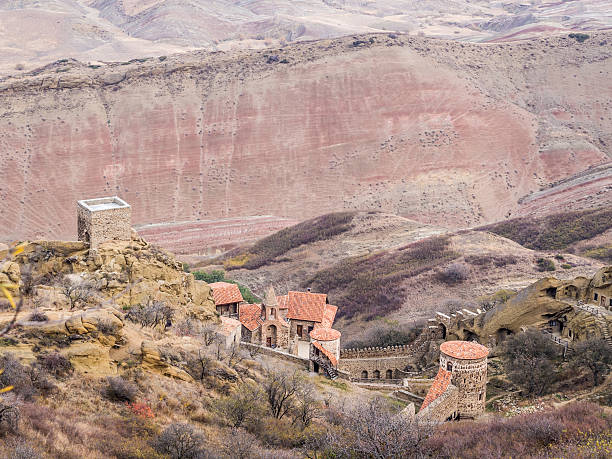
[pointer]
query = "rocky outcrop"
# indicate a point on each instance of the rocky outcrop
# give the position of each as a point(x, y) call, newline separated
point(125, 273)
point(152, 361)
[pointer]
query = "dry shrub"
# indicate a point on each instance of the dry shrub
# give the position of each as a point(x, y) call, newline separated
point(453, 274)
point(269, 248)
point(55, 364)
point(120, 390)
point(24, 451)
point(529, 435)
point(38, 316)
point(28, 381)
point(180, 441)
point(9, 417)
point(372, 284)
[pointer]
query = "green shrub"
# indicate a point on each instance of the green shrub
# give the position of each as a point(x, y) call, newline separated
point(579, 37)
point(603, 253)
point(219, 276)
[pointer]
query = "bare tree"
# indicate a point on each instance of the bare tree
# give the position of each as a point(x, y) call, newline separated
point(241, 445)
point(208, 334)
point(180, 441)
point(200, 366)
point(241, 406)
point(594, 355)
point(154, 313)
point(372, 430)
point(528, 360)
point(234, 356)
point(306, 405)
point(280, 388)
point(76, 291)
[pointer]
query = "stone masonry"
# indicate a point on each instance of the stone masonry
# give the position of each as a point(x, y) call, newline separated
point(103, 219)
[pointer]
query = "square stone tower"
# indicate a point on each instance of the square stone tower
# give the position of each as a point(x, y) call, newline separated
point(104, 219)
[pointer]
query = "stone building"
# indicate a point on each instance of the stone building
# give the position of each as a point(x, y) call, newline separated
point(287, 322)
point(460, 388)
point(103, 219)
point(227, 298)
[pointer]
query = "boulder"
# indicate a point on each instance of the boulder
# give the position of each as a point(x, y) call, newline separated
point(152, 361)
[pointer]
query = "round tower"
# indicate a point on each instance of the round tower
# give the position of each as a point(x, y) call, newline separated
point(328, 338)
point(467, 362)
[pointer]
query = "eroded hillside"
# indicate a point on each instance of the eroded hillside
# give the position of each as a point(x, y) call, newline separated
point(441, 132)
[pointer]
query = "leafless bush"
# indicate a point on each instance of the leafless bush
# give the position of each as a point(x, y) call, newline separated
point(180, 441)
point(372, 430)
point(38, 316)
point(120, 390)
point(24, 451)
point(106, 327)
point(453, 274)
point(76, 292)
point(281, 388)
point(55, 363)
point(9, 418)
point(154, 313)
point(306, 405)
point(240, 445)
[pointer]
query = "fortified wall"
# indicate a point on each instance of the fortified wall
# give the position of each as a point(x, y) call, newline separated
point(390, 362)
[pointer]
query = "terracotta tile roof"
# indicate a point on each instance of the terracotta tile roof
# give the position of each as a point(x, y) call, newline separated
point(226, 293)
point(438, 387)
point(306, 306)
point(325, 334)
point(283, 301)
point(250, 315)
point(326, 353)
point(228, 325)
point(329, 315)
point(466, 350)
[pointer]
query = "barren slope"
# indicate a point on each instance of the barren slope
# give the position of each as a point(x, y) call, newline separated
point(36, 33)
point(442, 132)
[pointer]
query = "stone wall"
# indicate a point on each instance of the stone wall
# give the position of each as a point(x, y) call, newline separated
point(278, 354)
point(104, 225)
point(442, 408)
point(305, 326)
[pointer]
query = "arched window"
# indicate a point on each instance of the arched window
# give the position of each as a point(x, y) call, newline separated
point(389, 374)
point(364, 374)
point(449, 366)
point(376, 374)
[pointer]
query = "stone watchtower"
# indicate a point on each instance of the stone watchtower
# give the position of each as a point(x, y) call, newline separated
point(467, 363)
point(104, 219)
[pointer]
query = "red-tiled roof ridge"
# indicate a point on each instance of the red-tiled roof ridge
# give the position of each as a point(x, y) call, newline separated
point(226, 293)
point(250, 315)
point(329, 314)
point(438, 387)
point(326, 353)
point(306, 306)
point(283, 301)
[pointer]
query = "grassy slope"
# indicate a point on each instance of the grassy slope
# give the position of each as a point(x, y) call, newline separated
point(266, 250)
point(372, 285)
point(556, 231)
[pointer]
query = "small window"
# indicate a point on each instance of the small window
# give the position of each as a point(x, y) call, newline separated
point(449, 366)
point(595, 296)
point(299, 330)
point(480, 396)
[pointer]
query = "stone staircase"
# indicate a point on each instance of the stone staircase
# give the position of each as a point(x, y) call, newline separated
point(331, 372)
point(605, 329)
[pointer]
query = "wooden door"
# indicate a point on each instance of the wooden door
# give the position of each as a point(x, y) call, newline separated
point(269, 341)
